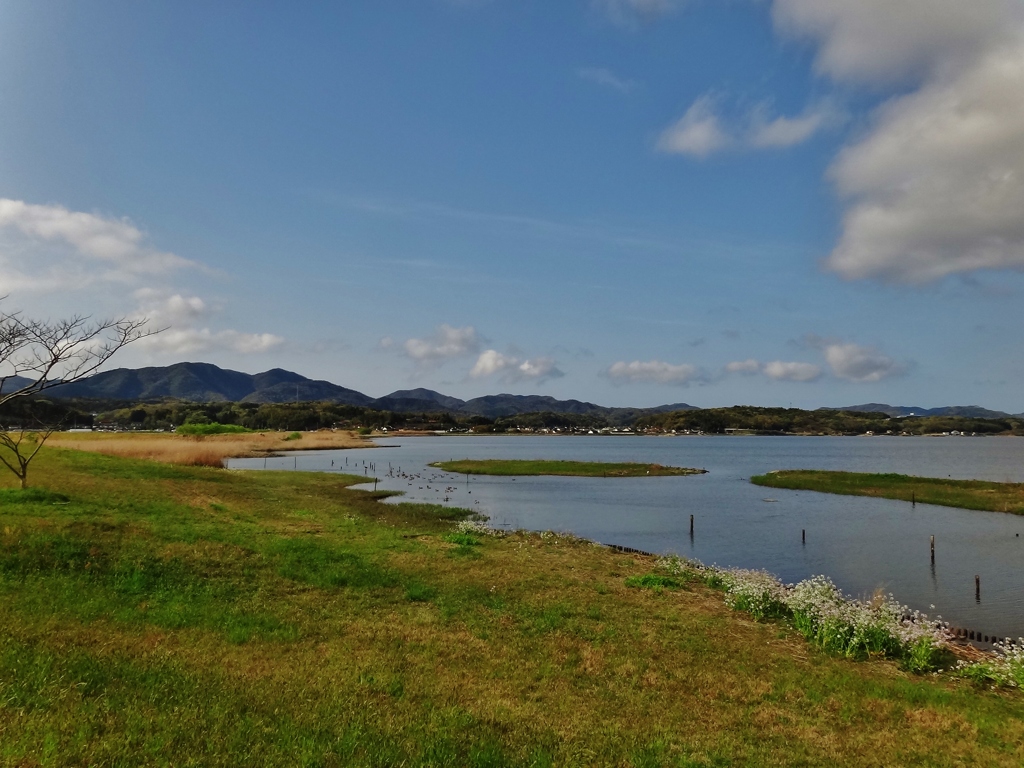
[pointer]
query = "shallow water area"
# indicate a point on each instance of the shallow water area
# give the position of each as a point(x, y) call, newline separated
point(862, 544)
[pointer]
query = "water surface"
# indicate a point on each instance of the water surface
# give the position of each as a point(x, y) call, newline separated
point(861, 543)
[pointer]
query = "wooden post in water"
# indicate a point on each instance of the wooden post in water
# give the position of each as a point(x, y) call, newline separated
point(691, 525)
point(375, 485)
point(803, 535)
point(296, 464)
point(977, 587)
point(933, 550)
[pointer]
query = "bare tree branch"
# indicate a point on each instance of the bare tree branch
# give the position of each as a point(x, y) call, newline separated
point(51, 353)
point(36, 355)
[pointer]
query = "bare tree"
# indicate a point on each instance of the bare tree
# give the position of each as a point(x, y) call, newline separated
point(37, 355)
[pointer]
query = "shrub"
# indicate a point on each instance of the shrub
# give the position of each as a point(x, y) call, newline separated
point(213, 428)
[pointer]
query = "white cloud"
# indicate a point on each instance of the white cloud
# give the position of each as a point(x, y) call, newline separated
point(884, 41)
point(701, 131)
point(786, 371)
point(163, 310)
point(491, 362)
point(766, 132)
point(52, 252)
point(181, 321)
point(116, 243)
point(182, 341)
point(539, 368)
point(697, 133)
point(936, 185)
point(607, 78)
point(512, 368)
point(653, 371)
point(447, 342)
point(745, 367)
point(858, 363)
point(847, 360)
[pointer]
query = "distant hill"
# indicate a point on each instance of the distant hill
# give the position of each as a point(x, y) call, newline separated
point(206, 383)
point(968, 411)
point(889, 410)
point(418, 401)
point(495, 406)
point(13, 384)
point(498, 406)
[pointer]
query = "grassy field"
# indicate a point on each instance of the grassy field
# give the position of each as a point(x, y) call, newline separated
point(968, 494)
point(203, 450)
point(569, 468)
point(153, 614)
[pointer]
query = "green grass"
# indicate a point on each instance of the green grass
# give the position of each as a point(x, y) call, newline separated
point(211, 429)
point(154, 615)
point(967, 494)
point(568, 468)
point(655, 581)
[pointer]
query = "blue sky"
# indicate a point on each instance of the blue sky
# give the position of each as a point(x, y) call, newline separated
point(632, 202)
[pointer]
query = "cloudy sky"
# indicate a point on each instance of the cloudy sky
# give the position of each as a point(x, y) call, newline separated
point(633, 202)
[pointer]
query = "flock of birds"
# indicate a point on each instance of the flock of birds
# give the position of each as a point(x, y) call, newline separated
point(413, 479)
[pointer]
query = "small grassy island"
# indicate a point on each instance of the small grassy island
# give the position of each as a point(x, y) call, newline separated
point(524, 467)
point(967, 494)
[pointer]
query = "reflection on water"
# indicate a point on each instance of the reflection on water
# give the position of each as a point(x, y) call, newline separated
point(861, 543)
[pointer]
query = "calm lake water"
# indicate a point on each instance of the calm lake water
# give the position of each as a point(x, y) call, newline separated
point(860, 543)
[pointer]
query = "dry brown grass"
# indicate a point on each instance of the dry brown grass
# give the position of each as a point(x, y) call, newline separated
point(208, 451)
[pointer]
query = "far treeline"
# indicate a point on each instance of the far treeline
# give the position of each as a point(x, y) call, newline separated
point(793, 421)
point(30, 413)
point(169, 414)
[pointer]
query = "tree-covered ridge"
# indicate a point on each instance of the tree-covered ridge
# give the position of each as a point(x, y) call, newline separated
point(821, 422)
point(319, 415)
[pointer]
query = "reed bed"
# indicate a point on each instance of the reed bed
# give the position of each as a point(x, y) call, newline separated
point(204, 451)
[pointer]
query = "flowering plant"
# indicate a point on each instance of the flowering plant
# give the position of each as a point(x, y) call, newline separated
point(477, 527)
point(820, 612)
point(1005, 668)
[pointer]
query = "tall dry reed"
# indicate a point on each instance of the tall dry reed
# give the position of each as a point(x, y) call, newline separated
point(207, 451)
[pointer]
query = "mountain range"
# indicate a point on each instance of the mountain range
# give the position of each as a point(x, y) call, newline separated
point(205, 382)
